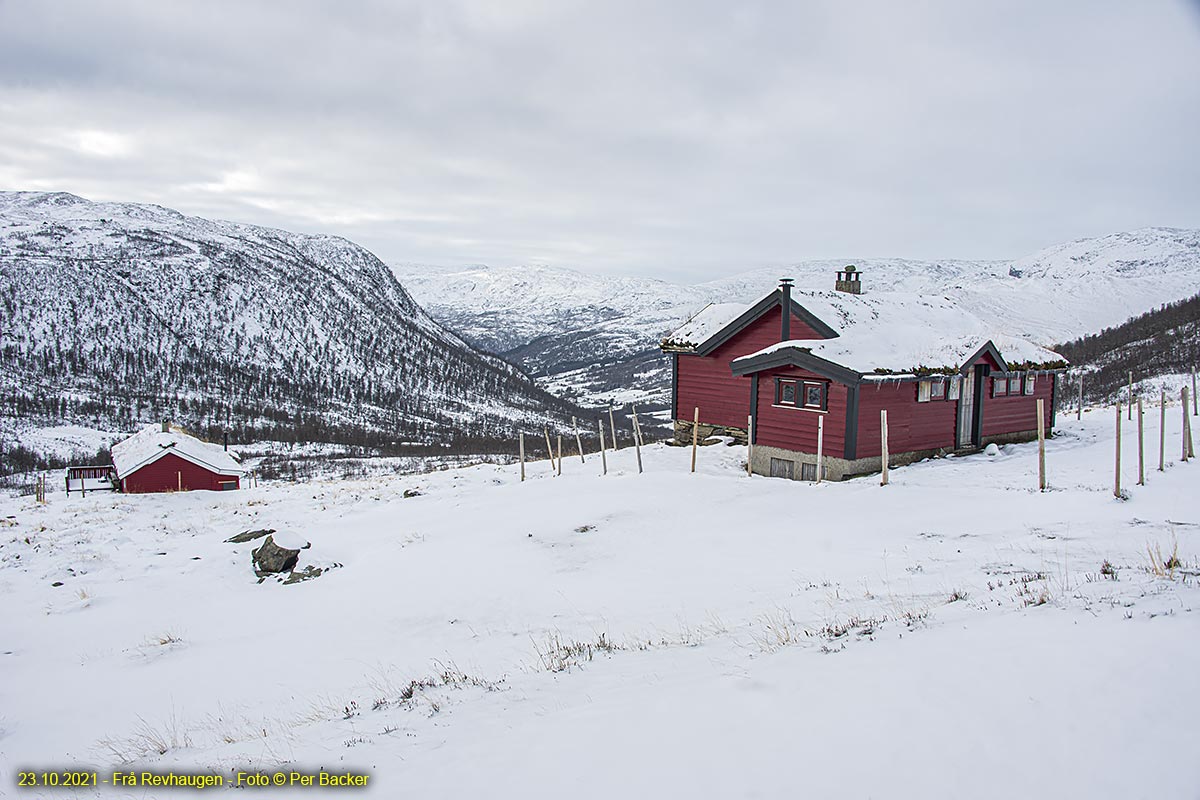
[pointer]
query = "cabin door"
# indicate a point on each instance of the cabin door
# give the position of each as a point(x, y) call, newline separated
point(966, 411)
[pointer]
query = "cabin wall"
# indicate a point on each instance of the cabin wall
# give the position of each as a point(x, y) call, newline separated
point(1010, 415)
point(707, 382)
point(169, 472)
point(911, 425)
point(795, 429)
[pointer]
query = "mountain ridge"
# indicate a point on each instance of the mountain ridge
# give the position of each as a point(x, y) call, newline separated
point(121, 312)
point(607, 350)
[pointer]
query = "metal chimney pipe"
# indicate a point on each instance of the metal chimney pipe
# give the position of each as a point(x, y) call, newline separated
point(785, 306)
point(226, 441)
point(166, 427)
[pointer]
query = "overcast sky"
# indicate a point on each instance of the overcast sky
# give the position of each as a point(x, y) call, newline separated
point(683, 140)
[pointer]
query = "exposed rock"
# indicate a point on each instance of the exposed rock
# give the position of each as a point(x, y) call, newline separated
point(270, 557)
point(250, 536)
point(411, 493)
point(308, 573)
point(992, 449)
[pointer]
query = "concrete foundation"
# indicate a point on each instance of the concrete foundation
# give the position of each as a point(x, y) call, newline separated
point(839, 469)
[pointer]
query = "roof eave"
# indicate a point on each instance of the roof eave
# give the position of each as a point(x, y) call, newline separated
point(796, 357)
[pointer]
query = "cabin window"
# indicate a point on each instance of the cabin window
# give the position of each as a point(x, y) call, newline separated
point(1030, 383)
point(801, 394)
point(783, 468)
point(931, 390)
point(786, 392)
point(952, 391)
point(1014, 384)
point(814, 395)
point(999, 387)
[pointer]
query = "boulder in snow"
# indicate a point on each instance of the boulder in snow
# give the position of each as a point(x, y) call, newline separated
point(992, 449)
point(272, 557)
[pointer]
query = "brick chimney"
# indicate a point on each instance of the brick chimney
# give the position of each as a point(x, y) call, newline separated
point(849, 280)
point(785, 306)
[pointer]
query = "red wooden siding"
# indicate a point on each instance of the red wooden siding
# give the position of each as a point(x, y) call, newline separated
point(166, 473)
point(911, 425)
point(707, 382)
point(1018, 413)
point(796, 428)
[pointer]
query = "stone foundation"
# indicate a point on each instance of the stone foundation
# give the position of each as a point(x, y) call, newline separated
point(839, 469)
point(683, 433)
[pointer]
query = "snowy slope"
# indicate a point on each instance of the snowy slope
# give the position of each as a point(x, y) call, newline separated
point(531, 313)
point(116, 311)
point(897, 644)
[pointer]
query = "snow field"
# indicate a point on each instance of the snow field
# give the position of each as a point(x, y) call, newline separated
point(714, 635)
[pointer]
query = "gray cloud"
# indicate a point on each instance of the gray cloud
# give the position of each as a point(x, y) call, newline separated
point(680, 139)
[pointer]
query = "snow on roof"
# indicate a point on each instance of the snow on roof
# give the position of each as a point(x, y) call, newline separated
point(902, 332)
point(151, 443)
point(704, 324)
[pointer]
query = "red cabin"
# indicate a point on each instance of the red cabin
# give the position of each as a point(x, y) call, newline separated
point(165, 459)
point(946, 382)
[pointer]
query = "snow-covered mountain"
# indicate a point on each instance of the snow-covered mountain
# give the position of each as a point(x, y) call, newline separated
point(115, 312)
point(596, 338)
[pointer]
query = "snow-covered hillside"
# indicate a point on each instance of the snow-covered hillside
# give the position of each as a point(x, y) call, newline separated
point(656, 634)
point(116, 312)
point(606, 343)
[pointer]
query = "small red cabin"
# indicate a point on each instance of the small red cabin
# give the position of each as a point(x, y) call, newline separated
point(946, 382)
point(165, 459)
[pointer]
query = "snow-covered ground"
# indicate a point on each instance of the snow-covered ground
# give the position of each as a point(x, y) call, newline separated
point(953, 634)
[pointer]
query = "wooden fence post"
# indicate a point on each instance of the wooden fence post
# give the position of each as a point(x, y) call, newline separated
point(603, 456)
point(522, 457)
point(883, 434)
point(1162, 432)
point(1141, 446)
point(637, 427)
point(749, 445)
point(1194, 408)
point(1079, 411)
point(695, 436)
point(549, 447)
point(1131, 395)
point(1187, 426)
point(578, 440)
point(1117, 474)
point(637, 443)
point(612, 426)
point(820, 444)
point(1041, 430)
point(559, 472)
